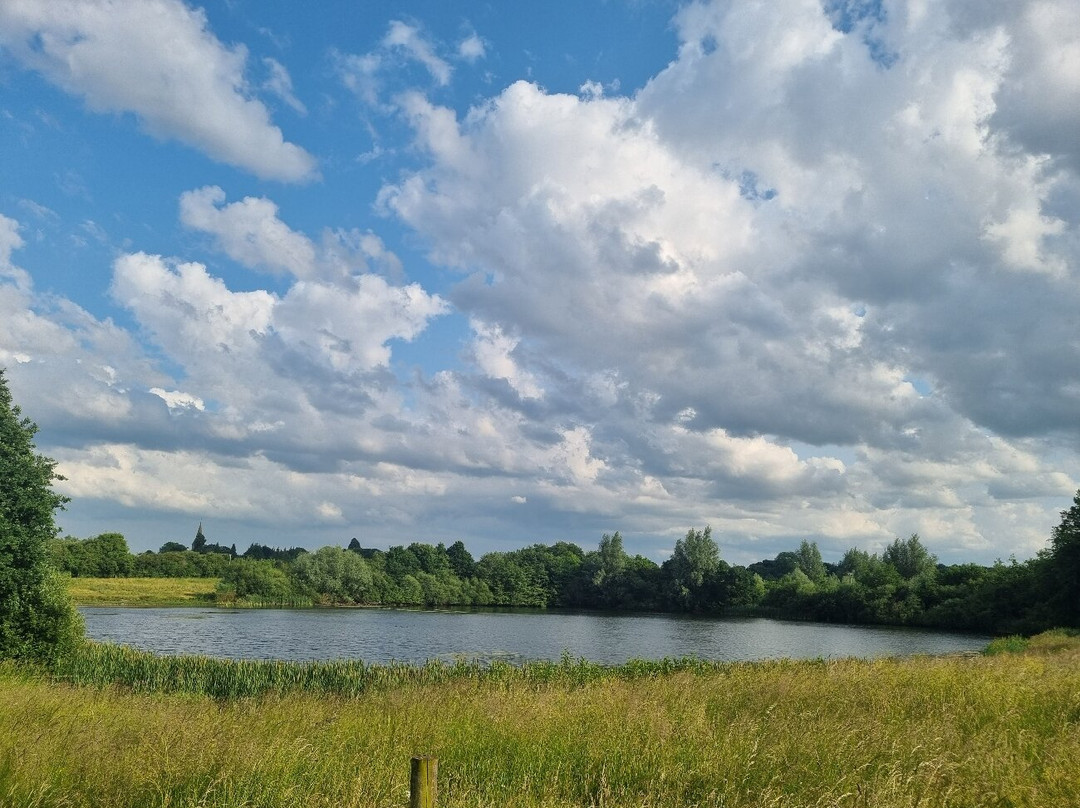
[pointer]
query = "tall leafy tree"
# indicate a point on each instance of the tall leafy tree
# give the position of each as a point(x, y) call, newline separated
point(909, 558)
point(37, 619)
point(694, 559)
point(810, 561)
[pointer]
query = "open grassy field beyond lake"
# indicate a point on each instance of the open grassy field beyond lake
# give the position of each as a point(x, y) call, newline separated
point(1000, 730)
point(142, 591)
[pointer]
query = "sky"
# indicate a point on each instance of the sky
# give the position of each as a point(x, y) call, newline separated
point(519, 273)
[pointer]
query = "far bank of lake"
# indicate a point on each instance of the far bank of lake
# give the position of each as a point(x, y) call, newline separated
point(386, 635)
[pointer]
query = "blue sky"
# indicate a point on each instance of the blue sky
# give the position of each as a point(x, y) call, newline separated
point(429, 271)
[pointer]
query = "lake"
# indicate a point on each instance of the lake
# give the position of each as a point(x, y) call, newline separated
point(385, 635)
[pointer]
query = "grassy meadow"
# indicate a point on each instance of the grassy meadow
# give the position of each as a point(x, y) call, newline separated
point(142, 591)
point(1001, 729)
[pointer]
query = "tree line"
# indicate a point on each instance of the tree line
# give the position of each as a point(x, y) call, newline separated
point(903, 585)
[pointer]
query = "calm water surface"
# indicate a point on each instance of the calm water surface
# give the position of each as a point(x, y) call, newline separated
point(384, 635)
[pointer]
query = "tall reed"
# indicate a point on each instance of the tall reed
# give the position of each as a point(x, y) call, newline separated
point(104, 664)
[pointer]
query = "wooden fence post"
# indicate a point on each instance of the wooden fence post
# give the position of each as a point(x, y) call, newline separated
point(422, 782)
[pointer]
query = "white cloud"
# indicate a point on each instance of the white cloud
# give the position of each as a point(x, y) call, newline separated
point(178, 400)
point(249, 231)
point(409, 39)
point(472, 48)
point(349, 327)
point(159, 60)
point(376, 73)
point(190, 313)
point(492, 350)
point(280, 84)
point(573, 457)
point(222, 337)
point(772, 239)
point(10, 240)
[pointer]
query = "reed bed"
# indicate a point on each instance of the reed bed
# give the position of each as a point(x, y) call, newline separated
point(1000, 730)
point(104, 664)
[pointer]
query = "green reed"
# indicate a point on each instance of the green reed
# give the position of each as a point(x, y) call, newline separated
point(103, 664)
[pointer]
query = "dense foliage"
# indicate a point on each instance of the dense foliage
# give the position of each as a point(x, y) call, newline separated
point(37, 619)
point(904, 585)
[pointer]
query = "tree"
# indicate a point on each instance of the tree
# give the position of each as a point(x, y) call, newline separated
point(1062, 564)
point(461, 561)
point(335, 575)
point(257, 579)
point(612, 557)
point(810, 561)
point(199, 544)
point(693, 560)
point(909, 557)
point(432, 560)
point(400, 562)
point(608, 578)
point(172, 547)
point(37, 619)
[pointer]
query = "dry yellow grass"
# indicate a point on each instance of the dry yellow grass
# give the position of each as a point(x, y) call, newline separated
point(142, 591)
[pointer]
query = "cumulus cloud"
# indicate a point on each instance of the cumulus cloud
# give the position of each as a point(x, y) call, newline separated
point(251, 233)
point(845, 223)
point(248, 231)
point(159, 60)
point(221, 336)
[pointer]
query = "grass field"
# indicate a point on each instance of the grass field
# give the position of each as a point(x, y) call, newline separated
point(995, 730)
point(142, 591)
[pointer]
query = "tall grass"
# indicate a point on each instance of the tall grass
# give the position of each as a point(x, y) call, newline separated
point(1000, 730)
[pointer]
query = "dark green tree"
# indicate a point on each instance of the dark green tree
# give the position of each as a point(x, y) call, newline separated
point(1062, 564)
point(199, 544)
point(461, 561)
point(400, 561)
point(172, 547)
point(37, 619)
